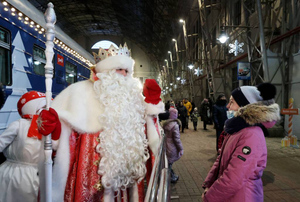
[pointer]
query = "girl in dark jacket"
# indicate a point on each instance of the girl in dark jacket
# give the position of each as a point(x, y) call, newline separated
point(205, 112)
point(219, 115)
point(174, 146)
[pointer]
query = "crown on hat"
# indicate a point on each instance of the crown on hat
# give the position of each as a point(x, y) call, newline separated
point(112, 51)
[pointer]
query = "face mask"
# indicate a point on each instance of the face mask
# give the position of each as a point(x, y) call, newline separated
point(230, 114)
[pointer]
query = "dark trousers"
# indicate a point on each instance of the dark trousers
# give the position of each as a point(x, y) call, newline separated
point(187, 122)
point(183, 123)
point(195, 125)
point(173, 175)
point(204, 125)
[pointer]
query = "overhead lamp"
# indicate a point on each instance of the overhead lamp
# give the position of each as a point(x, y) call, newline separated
point(182, 21)
point(36, 62)
point(174, 40)
point(178, 78)
point(223, 36)
point(191, 66)
point(166, 60)
point(169, 52)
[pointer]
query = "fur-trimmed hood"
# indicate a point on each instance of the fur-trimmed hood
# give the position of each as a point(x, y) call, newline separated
point(171, 120)
point(258, 113)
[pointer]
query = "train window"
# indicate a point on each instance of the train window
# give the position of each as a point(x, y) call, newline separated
point(39, 60)
point(5, 57)
point(71, 73)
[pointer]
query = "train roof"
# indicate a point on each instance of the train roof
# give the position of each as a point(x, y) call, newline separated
point(34, 14)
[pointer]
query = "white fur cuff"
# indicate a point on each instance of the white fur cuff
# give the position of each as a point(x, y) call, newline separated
point(152, 109)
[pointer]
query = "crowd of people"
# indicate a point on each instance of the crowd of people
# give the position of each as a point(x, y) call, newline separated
point(106, 135)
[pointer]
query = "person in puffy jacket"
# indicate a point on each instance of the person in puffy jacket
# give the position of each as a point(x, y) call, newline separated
point(173, 142)
point(236, 174)
point(219, 116)
point(182, 114)
point(205, 112)
point(188, 107)
point(194, 118)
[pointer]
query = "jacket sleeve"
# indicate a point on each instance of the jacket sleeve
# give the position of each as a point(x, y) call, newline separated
point(201, 110)
point(212, 174)
point(215, 115)
point(176, 138)
point(242, 165)
point(8, 136)
point(189, 107)
point(221, 139)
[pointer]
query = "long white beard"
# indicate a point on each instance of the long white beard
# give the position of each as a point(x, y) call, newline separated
point(123, 144)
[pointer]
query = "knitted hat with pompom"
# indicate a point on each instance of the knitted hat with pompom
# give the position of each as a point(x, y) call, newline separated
point(245, 95)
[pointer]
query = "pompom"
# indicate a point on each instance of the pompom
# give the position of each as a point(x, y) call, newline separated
point(267, 91)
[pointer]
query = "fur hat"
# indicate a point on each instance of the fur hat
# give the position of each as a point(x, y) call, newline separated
point(114, 58)
point(151, 91)
point(115, 62)
point(173, 113)
point(251, 94)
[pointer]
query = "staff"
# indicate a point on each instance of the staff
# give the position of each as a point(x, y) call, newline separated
point(50, 18)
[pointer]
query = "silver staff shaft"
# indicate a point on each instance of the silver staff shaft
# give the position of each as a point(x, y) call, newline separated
point(50, 18)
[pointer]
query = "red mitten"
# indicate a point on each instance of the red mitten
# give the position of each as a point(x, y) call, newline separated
point(56, 132)
point(48, 122)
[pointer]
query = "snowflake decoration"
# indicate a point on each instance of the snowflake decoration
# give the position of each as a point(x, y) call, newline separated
point(236, 48)
point(183, 81)
point(23, 101)
point(198, 71)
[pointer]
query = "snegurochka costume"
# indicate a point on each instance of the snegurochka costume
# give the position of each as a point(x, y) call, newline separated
point(21, 144)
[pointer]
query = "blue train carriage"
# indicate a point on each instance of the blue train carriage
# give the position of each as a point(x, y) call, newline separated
point(22, 56)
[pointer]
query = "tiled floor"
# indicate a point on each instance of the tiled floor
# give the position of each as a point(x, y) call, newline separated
point(281, 178)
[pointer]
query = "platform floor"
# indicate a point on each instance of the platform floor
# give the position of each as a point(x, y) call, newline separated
point(281, 178)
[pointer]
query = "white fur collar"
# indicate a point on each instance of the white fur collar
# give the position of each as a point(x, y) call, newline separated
point(77, 105)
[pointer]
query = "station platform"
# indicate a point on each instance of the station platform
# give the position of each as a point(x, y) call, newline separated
point(281, 178)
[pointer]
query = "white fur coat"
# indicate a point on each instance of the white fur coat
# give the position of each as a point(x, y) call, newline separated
point(71, 106)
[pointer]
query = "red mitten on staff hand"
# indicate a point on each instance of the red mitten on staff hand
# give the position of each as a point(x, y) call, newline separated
point(48, 122)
